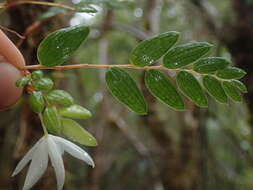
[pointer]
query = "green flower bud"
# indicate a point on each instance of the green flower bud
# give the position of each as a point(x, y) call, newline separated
point(75, 111)
point(37, 74)
point(59, 97)
point(36, 101)
point(23, 81)
point(52, 120)
point(43, 84)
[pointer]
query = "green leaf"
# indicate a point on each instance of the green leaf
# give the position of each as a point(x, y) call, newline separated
point(75, 111)
point(52, 11)
point(58, 46)
point(162, 88)
point(214, 88)
point(59, 97)
point(240, 86)
point(88, 9)
point(37, 74)
point(124, 88)
point(191, 88)
point(185, 54)
point(75, 132)
point(36, 101)
point(152, 49)
point(232, 91)
point(51, 119)
point(210, 64)
point(23, 81)
point(231, 73)
point(43, 84)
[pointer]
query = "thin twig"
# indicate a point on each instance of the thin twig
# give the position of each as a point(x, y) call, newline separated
point(94, 66)
point(12, 31)
point(7, 5)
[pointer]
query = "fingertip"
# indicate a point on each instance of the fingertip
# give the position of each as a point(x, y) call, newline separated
point(10, 52)
point(9, 93)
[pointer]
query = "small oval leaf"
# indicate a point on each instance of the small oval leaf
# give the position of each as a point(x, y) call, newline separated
point(59, 97)
point(210, 64)
point(231, 73)
point(51, 119)
point(185, 54)
point(37, 74)
point(152, 49)
point(75, 132)
point(232, 91)
point(36, 101)
point(75, 111)
point(43, 84)
point(124, 88)
point(23, 81)
point(162, 88)
point(191, 88)
point(58, 46)
point(214, 88)
point(240, 86)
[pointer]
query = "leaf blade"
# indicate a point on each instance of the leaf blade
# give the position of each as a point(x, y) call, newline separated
point(75, 111)
point(75, 132)
point(231, 91)
point(161, 87)
point(185, 54)
point(152, 49)
point(51, 119)
point(36, 101)
point(59, 97)
point(210, 64)
point(124, 89)
point(191, 88)
point(231, 73)
point(240, 86)
point(214, 88)
point(58, 46)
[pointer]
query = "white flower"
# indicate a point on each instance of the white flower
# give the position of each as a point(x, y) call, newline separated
point(52, 147)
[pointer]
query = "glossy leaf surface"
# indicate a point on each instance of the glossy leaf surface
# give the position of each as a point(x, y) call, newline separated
point(51, 119)
point(231, 73)
point(36, 101)
point(191, 88)
point(232, 91)
point(185, 54)
point(214, 88)
point(75, 132)
point(124, 88)
point(58, 46)
point(75, 111)
point(162, 88)
point(152, 49)
point(210, 64)
point(59, 97)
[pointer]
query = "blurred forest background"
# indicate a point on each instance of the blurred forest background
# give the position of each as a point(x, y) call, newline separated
point(198, 149)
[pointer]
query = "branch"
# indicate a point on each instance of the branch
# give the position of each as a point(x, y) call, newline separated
point(6, 5)
point(207, 16)
point(12, 31)
point(100, 66)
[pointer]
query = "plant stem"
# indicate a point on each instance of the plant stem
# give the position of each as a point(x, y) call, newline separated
point(99, 66)
point(7, 5)
point(43, 126)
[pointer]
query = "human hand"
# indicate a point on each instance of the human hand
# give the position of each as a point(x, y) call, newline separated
point(10, 60)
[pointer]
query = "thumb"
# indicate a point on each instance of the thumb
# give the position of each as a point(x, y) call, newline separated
point(9, 93)
point(10, 60)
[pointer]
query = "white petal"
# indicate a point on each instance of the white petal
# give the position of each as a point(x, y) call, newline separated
point(38, 165)
point(26, 158)
point(57, 162)
point(74, 150)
